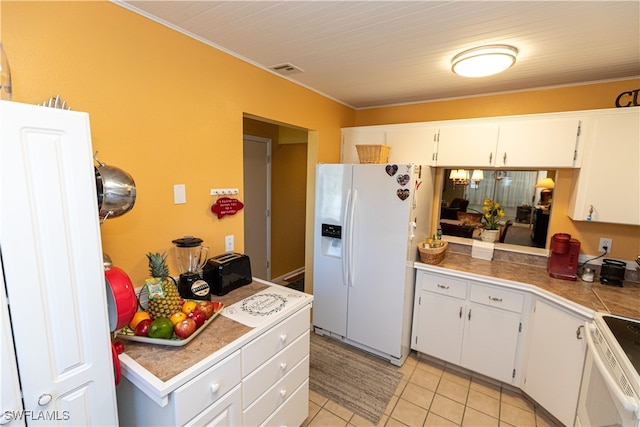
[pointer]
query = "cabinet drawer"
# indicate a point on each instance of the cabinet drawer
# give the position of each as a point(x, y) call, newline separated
point(273, 370)
point(294, 411)
point(497, 297)
point(266, 345)
point(206, 388)
point(279, 393)
point(225, 412)
point(443, 285)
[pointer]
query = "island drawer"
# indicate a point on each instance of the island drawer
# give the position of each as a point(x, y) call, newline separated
point(254, 385)
point(497, 297)
point(294, 411)
point(443, 285)
point(206, 388)
point(275, 339)
point(275, 396)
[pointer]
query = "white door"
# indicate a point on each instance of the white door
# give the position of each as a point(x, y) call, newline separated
point(440, 327)
point(333, 191)
point(257, 204)
point(556, 359)
point(529, 143)
point(52, 259)
point(468, 145)
point(378, 256)
point(490, 341)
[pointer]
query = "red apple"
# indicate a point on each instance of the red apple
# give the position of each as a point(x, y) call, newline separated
point(184, 328)
point(142, 328)
point(198, 316)
point(217, 306)
point(206, 307)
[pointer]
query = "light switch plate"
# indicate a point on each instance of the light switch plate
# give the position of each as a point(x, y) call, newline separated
point(228, 243)
point(179, 194)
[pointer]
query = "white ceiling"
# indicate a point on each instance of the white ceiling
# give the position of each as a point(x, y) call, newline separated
point(374, 53)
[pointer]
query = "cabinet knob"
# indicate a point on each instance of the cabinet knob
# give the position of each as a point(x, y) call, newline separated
point(44, 399)
point(283, 392)
point(504, 158)
point(215, 387)
point(283, 365)
point(283, 337)
point(579, 332)
point(490, 158)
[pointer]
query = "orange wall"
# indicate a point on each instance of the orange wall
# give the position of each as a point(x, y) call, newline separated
point(164, 107)
point(626, 239)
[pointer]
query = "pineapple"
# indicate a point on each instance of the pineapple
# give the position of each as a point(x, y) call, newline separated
point(164, 299)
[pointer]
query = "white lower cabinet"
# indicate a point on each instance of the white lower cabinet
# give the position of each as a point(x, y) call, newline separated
point(474, 325)
point(555, 360)
point(252, 385)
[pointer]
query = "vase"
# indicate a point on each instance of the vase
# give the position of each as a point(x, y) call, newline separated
point(489, 235)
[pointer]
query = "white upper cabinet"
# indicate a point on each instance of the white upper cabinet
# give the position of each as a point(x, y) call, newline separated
point(467, 145)
point(607, 187)
point(545, 142)
point(409, 143)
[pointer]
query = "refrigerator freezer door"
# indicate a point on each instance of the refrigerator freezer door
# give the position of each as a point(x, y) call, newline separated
point(333, 190)
point(378, 259)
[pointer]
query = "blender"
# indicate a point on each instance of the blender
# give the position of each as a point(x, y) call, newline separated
point(191, 257)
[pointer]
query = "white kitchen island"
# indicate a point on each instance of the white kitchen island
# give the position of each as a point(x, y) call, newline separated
point(240, 370)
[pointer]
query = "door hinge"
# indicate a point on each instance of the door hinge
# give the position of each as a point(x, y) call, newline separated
point(267, 264)
point(267, 213)
point(514, 374)
point(579, 128)
point(520, 327)
point(416, 339)
point(575, 154)
point(268, 159)
point(419, 300)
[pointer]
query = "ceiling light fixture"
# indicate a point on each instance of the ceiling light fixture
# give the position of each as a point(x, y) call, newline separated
point(484, 61)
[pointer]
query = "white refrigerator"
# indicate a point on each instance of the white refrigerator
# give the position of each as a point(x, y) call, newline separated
point(369, 219)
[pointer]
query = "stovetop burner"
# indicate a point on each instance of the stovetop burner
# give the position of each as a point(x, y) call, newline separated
point(627, 333)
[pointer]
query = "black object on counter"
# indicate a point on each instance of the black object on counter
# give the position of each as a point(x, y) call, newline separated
point(612, 272)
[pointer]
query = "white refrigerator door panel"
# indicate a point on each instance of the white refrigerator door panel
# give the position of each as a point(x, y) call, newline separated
point(52, 258)
point(333, 187)
point(379, 256)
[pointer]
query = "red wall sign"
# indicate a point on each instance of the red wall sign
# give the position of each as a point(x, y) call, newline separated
point(226, 206)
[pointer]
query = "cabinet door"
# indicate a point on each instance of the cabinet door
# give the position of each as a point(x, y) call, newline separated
point(556, 359)
point(539, 143)
point(470, 145)
point(360, 135)
point(607, 186)
point(490, 341)
point(52, 259)
point(439, 326)
point(411, 145)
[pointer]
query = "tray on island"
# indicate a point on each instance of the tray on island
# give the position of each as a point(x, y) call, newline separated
point(127, 333)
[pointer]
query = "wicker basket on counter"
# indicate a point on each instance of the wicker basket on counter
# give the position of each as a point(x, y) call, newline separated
point(430, 255)
point(373, 153)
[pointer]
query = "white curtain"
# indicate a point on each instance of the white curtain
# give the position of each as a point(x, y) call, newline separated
point(514, 189)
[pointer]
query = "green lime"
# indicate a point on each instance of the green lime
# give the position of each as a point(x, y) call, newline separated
point(161, 328)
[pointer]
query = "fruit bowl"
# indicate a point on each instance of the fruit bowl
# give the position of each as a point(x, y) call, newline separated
point(126, 333)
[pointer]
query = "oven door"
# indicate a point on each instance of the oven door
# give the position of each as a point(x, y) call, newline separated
point(602, 401)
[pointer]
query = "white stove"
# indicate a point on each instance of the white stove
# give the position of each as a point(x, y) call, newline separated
point(609, 395)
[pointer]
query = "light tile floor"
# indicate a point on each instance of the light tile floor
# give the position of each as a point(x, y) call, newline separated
point(432, 394)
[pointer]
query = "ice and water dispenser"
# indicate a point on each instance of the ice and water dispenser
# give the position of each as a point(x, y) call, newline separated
point(331, 240)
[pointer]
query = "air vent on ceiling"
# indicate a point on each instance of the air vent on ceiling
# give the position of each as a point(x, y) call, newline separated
point(286, 69)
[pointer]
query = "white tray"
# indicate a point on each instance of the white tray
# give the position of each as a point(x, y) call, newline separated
point(127, 333)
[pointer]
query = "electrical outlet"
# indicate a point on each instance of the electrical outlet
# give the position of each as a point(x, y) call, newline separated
point(605, 241)
point(228, 243)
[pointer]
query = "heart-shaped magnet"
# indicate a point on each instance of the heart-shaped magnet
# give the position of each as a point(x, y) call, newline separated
point(391, 169)
point(402, 193)
point(403, 179)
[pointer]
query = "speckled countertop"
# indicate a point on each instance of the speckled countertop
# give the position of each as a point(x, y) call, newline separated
point(165, 362)
point(624, 301)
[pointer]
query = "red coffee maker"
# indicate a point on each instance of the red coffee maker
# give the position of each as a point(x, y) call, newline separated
point(563, 260)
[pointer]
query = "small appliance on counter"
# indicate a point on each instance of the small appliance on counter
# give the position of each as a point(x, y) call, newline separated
point(226, 272)
point(191, 257)
point(612, 272)
point(563, 260)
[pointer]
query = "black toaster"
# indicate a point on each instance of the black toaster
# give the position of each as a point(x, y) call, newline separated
point(226, 272)
point(612, 272)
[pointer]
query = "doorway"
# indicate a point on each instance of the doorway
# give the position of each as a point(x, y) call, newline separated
point(257, 208)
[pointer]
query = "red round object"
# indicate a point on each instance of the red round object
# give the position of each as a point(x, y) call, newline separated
point(122, 303)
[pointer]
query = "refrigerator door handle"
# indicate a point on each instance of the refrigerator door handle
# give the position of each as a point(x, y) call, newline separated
point(350, 250)
point(345, 244)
